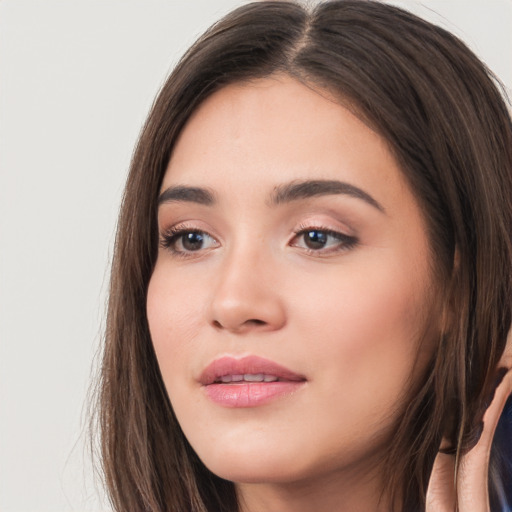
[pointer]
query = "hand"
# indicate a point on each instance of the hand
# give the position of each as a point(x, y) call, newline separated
point(471, 484)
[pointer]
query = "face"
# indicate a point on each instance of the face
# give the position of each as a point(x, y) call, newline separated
point(291, 302)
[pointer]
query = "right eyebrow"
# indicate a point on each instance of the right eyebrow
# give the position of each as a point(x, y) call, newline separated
point(181, 193)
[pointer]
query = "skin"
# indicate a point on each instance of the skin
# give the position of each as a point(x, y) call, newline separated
point(468, 492)
point(357, 320)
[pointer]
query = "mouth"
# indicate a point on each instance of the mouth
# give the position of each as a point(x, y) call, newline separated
point(248, 382)
point(248, 377)
point(228, 370)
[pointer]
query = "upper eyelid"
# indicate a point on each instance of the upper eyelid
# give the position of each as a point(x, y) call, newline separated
point(324, 216)
point(178, 230)
point(185, 226)
point(329, 231)
point(189, 226)
point(340, 235)
point(334, 226)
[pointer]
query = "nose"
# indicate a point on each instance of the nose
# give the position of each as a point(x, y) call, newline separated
point(247, 297)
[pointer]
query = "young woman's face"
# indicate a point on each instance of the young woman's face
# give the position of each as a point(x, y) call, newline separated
point(292, 302)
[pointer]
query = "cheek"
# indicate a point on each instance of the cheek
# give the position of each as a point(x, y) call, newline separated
point(352, 328)
point(175, 314)
point(365, 326)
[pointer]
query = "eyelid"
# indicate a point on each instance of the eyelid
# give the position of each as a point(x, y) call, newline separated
point(325, 225)
point(186, 226)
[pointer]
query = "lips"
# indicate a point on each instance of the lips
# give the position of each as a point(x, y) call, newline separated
point(246, 367)
point(248, 382)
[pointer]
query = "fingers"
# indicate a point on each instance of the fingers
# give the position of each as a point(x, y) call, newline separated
point(472, 482)
point(472, 486)
point(470, 492)
point(472, 479)
point(441, 487)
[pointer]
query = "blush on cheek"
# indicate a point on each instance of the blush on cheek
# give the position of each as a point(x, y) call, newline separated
point(373, 331)
point(161, 307)
point(390, 336)
point(172, 307)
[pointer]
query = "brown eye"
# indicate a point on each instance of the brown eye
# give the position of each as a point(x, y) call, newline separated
point(191, 241)
point(323, 241)
point(183, 241)
point(315, 239)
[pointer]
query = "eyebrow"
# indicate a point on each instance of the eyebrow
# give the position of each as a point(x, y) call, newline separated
point(284, 193)
point(312, 188)
point(181, 193)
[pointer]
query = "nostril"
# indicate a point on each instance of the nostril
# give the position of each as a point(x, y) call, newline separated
point(255, 321)
point(247, 323)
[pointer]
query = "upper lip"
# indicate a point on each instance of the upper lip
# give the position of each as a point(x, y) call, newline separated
point(229, 365)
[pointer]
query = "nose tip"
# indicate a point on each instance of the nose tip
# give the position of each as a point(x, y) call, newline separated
point(246, 301)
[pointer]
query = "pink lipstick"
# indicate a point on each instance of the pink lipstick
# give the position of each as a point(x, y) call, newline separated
point(248, 382)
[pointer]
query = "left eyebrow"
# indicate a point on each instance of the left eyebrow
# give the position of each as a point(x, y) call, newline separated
point(311, 188)
point(183, 193)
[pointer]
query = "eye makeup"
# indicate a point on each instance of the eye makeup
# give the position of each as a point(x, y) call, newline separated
point(188, 241)
point(320, 240)
point(185, 241)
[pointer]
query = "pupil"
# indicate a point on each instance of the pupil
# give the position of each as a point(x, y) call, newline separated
point(192, 241)
point(315, 239)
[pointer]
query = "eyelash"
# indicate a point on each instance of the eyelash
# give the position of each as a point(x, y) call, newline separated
point(346, 242)
point(171, 236)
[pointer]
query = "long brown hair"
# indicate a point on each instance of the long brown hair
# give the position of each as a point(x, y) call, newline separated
point(447, 124)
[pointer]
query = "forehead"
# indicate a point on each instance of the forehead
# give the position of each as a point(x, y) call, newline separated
point(275, 130)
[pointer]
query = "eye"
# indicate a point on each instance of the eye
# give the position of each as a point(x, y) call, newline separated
point(183, 240)
point(322, 240)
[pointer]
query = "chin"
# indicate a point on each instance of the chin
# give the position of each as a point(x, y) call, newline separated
point(251, 462)
point(257, 472)
point(268, 464)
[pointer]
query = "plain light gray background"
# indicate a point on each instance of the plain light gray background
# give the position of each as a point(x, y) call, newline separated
point(77, 78)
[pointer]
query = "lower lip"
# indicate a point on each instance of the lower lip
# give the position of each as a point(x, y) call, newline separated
point(250, 394)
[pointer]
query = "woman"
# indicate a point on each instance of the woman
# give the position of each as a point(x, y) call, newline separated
point(310, 294)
